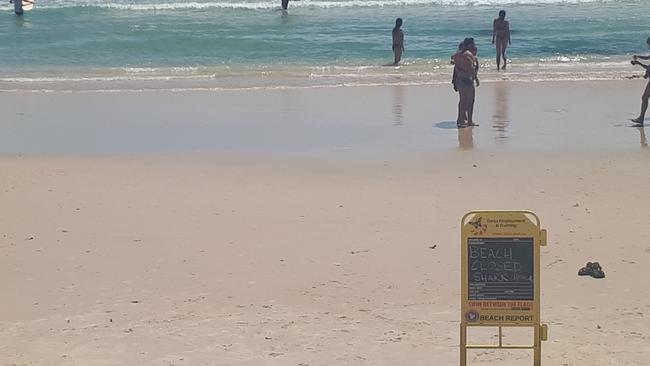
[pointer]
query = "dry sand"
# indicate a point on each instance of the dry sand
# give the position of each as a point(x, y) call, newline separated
point(343, 253)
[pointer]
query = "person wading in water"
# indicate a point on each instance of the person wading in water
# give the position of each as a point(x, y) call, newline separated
point(501, 37)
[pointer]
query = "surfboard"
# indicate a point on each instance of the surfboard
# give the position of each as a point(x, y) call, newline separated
point(28, 5)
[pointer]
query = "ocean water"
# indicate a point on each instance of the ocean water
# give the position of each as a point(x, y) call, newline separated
point(252, 43)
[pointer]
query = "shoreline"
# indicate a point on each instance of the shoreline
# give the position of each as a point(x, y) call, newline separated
point(283, 76)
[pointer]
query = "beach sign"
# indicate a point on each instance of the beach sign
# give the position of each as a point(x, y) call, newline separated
point(500, 276)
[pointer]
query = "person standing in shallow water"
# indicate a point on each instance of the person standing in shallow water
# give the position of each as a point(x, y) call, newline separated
point(398, 41)
point(18, 6)
point(646, 94)
point(501, 37)
point(285, 4)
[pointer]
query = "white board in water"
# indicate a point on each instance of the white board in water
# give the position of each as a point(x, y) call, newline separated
point(28, 5)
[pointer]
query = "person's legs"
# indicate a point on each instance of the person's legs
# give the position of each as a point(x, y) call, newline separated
point(471, 93)
point(466, 91)
point(644, 105)
point(498, 48)
point(503, 53)
point(462, 105)
point(460, 120)
point(498, 56)
point(398, 55)
point(285, 4)
point(18, 7)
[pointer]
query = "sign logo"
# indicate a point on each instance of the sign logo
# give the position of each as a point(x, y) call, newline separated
point(479, 227)
point(472, 316)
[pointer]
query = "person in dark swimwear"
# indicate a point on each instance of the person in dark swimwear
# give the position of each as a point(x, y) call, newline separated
point(398, 41)
point(285, 4)
point(465, 69)
point(646, 94)
point(501, 37)
point(470, 108)
point(18, 6)
point(455, 73)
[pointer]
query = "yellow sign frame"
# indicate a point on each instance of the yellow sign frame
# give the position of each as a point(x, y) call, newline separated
point(513, 228)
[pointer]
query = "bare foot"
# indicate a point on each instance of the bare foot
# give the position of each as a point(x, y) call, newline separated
point(637, 120)
point(470, 123)
point(460, 124)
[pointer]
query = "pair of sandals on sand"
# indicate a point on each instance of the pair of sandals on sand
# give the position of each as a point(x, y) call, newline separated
point(592, 269)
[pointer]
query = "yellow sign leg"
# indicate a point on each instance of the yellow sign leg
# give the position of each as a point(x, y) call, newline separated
point(463, 344)
point(537, 352)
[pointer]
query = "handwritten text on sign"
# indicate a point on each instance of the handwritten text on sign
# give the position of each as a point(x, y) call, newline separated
point(501, 268)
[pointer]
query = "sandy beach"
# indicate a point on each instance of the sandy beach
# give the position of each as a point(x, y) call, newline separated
point(311, 226)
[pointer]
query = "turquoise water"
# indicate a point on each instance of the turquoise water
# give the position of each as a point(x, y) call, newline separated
point(316, 39)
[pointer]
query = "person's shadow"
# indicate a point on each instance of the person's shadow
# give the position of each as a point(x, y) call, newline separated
point(446, 125)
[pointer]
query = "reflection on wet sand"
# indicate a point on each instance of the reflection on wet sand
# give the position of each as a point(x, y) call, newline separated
point(466, 138)
point(398, 105)
point(644, 139)
point(500, 118)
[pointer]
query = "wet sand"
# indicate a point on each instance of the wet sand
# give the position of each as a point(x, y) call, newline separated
point(247, 229)
point(346, 121)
